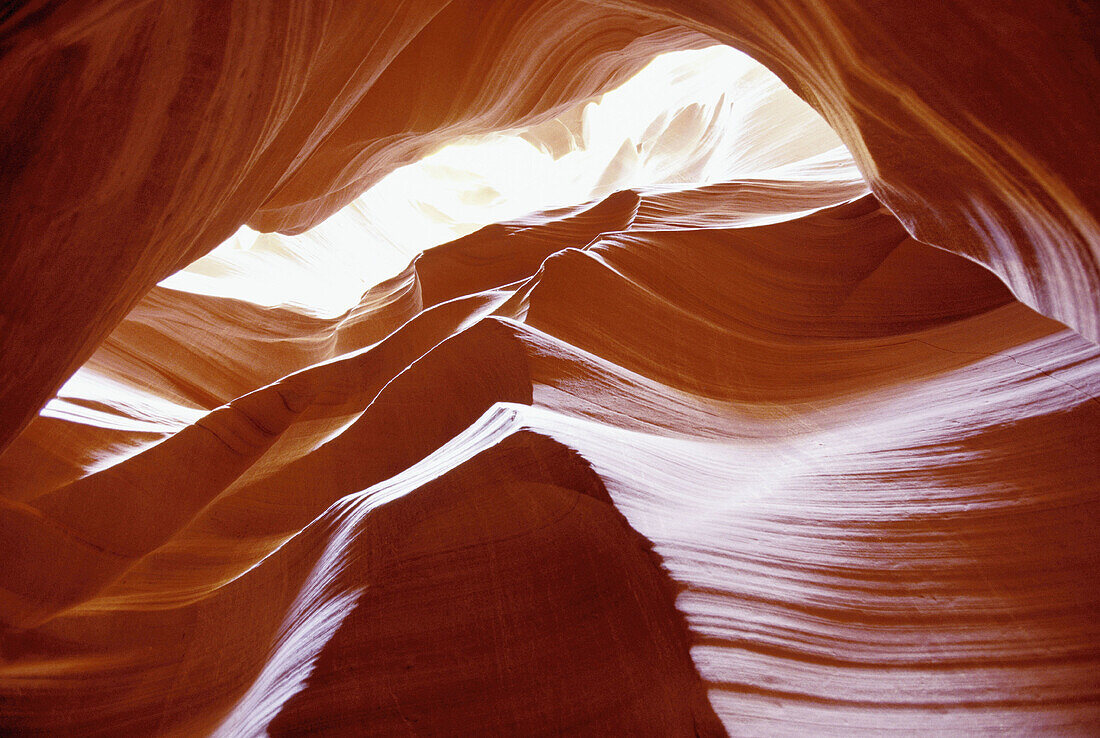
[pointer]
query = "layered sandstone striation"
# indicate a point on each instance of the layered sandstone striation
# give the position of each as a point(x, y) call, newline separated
point(773, 454)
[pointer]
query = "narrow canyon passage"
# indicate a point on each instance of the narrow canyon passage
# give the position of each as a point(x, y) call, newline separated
point(501, 368)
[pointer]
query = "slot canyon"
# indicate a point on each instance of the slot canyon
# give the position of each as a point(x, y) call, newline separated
point(549, 367)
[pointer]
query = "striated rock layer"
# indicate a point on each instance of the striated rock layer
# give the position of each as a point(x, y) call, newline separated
point(741, 458)
point(138, 135)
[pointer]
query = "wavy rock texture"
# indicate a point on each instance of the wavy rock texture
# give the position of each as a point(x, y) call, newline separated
point(972, 121)
point(741, 458)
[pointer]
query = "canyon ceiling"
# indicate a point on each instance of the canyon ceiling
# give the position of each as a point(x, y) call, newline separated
point(809, 448)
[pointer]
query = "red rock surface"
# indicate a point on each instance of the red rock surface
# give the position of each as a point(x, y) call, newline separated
point(761, 457)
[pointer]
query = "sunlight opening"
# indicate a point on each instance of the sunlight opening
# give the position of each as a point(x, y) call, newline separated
point(689, 118)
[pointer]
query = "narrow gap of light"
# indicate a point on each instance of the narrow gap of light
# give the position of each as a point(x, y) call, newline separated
point(688, 118)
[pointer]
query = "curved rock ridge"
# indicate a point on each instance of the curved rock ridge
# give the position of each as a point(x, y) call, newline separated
point(181, 122)
point(179, 354)
point(577, 473)
point(139, 135)
point(752, 454)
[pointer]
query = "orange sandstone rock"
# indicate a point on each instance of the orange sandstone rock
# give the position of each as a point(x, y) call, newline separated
point(759, 457)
